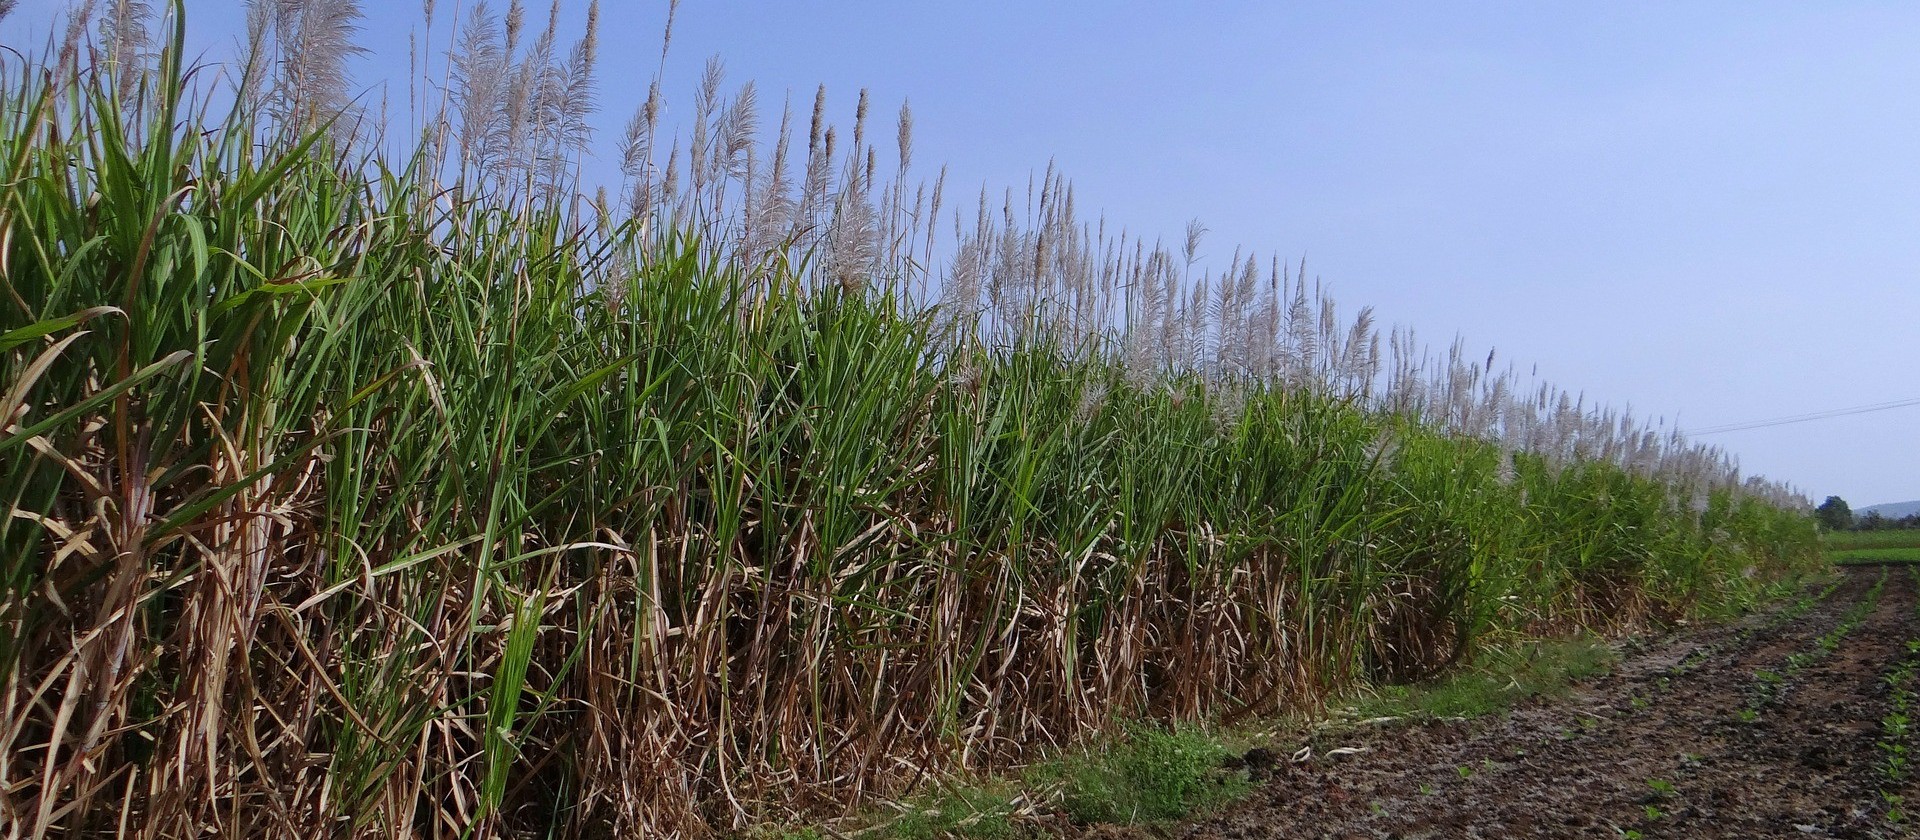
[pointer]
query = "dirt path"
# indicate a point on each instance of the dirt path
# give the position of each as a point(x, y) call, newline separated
point(1751, 730)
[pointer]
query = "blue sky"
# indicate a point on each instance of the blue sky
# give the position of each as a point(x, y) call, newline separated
point(1709, 211)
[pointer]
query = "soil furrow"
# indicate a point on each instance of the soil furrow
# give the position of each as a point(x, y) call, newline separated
point(1750, 730)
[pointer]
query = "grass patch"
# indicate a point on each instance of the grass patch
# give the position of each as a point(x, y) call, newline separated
point(1896, 546)
point(985, 811)
point(1872, 539)
point(1151, 776)
point(1888, 554)
point(1846, 540)
point(1147, 775)
point(961, 809)
point(1499, 678)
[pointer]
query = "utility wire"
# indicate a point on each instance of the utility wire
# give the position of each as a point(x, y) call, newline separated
point(1804, 418)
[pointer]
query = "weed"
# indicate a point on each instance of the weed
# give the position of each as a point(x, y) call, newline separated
point(1896, 727)
point(978, 813)
point(787, 834)
point(1498, 678)
point(1767, 685)
point(1151, 775)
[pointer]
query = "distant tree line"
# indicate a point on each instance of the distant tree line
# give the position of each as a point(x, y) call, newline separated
point(1835, 515)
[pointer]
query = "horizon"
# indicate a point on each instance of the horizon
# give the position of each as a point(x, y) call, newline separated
point(1695, 213)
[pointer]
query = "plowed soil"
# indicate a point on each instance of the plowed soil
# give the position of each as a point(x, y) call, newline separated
point(1749, 730)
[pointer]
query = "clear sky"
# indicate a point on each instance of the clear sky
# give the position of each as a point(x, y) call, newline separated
point(1709, 211)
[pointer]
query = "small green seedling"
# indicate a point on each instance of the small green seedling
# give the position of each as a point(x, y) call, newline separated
point(1661, 786)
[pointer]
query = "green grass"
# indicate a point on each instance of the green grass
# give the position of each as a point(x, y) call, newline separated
point(1898, 546)
point(980, 811)
point(1872, 547)
point(1142, 775)
point(1891, 554)
point(1499, 678)
point(1847, 540)
point(1150, 776)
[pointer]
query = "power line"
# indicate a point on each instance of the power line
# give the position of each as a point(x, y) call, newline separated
point(1804, 418)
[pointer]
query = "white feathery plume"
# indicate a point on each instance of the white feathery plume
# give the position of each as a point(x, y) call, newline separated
point(860, 123)
point(1196, 232)
point(772, 209)
point(906, 136)
point(314, 54)
point(578, 89)
point(706, 103)
point(813, 190)
point(478, 69)
point(124, 31)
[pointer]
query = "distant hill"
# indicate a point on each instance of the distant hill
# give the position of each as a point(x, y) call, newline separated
point(1891, 510)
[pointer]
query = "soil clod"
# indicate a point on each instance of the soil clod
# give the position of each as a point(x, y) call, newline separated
point(1777, 733)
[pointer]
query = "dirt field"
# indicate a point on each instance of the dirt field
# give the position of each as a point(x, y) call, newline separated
point(1772, 727)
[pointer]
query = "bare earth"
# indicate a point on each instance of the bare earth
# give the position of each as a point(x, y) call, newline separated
point(1657, 749)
